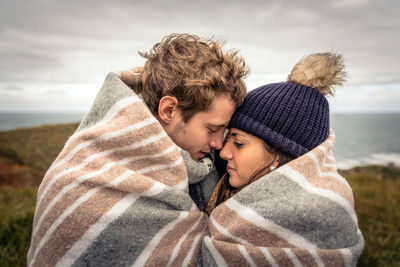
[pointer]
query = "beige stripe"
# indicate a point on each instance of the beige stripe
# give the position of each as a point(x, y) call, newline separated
point(306, 167)
point(115, 143)
point(148, 149)
point(57, 210)
point(122, 120)
point(230, 252)
point(80, 221)
point(304, 256)
point(71, 177)
point(119, 121)
point(257, 255)
point(161, 253)
point(153, 161)
point(70, 197)
point(91, 167)
point(112, 175)
point(236, 225)
point(280, 257)
point(187, 245)
point(137, 183)
point(171, 176)
point(331, 257)
point(324, 162)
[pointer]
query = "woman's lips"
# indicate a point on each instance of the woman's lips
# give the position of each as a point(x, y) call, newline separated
point(229, 169)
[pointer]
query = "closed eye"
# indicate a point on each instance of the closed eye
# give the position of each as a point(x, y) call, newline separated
point(238, 145)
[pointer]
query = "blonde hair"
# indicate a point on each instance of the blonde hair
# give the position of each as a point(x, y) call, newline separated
point(192, 70)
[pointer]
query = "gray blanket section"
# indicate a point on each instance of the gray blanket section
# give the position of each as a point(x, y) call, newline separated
point(318, 219)
point(111, 92)
point(206, 258)
point(208, 183)
point(196, 170)
point(127, 236)
point(357, 249)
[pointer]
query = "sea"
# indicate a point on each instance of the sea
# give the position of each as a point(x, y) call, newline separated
point(361, 138)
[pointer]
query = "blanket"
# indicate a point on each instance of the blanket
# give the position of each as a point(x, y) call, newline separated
point(117, 194)
point(301, 214)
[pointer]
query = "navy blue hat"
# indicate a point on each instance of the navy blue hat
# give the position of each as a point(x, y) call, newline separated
point(293, 116)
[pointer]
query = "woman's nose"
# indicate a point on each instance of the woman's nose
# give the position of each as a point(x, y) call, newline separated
point(225, 152)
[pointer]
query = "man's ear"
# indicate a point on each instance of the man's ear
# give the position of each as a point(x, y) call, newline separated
point(168, 109)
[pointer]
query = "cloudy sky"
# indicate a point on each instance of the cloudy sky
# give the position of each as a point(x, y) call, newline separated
point(54, 55)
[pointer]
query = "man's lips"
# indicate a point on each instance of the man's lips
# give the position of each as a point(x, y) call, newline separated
point(202, 153)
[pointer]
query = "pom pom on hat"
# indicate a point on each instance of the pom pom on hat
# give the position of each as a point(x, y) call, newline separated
point(293, 116)
point(321, 71)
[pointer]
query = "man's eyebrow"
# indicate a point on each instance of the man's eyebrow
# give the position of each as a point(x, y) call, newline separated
point(218, 126)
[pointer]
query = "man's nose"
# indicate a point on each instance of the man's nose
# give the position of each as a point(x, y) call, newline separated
point(217, 142)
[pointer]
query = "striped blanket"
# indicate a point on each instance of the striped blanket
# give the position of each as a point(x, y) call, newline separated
point(117, 194)
point(300, 214)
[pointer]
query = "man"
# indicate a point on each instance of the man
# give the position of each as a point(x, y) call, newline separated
point(118, 191)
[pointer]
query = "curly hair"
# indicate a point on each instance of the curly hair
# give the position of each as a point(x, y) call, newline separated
point(192, 70)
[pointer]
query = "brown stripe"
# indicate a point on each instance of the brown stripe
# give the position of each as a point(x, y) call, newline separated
point(307, 168)
point(56, 211)
point(69, 198)
point(123, 119)
point(230, 252)
point(154, 161)
point(119, 121)
point(257, 256)
point(304, 256)
point(280, 257)
point(170, 176)
point(71, 177)
point(331, 257)
point(235, 224)
point(188, 243)
point(137, 183)
point(80, 221)
point(147, 150)
point(117, 142)
point(163, 251)
point(99, 162)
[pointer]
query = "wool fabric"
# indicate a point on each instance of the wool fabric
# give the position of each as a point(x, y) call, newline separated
point(288, 116)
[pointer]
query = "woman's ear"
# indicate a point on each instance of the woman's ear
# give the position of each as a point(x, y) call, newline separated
point(168, 109)
point(276, 163)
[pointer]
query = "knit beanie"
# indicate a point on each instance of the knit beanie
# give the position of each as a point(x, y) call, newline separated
point(293, 116)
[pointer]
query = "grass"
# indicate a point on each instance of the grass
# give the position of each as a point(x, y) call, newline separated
point(378, 208)
point(16, 212)
point(376, 190)
point(35, 147)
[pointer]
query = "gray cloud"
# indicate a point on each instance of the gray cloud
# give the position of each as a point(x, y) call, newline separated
point(47, 42)
point(14, 88)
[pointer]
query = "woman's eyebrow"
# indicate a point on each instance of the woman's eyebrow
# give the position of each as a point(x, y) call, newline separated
point(238, 134)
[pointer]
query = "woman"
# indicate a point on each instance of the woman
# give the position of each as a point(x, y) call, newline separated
point(281, 200)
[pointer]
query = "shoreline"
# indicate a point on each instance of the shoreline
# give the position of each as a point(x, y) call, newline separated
point(27, 153)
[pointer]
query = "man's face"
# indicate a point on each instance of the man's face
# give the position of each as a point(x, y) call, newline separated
point(205, 130)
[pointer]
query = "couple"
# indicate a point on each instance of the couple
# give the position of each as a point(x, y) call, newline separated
point(118, 193)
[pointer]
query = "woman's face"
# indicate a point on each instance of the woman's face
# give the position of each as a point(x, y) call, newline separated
point(245, 154)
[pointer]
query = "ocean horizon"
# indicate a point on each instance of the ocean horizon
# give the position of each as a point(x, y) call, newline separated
point(361, 138)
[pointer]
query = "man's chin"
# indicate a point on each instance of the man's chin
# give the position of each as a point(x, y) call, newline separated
point(197, 156)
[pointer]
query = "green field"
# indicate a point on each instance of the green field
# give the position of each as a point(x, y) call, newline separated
point(31, 151)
